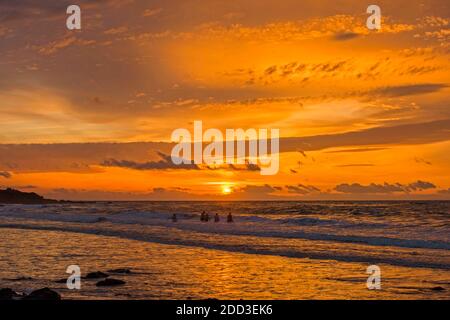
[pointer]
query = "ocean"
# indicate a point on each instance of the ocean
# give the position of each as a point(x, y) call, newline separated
point(271, 250)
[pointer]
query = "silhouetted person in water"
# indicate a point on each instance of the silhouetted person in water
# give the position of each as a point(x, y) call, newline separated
point(206, 217)
point(216, 218)
point(174, 218)
point(229, 217)
point(202, 216)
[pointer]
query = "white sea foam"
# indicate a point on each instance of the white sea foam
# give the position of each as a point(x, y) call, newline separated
point(297, 230)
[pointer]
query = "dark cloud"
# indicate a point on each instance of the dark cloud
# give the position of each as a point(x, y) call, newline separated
point(356, 150)
point(12, 10)
point(246, 167)
point(79, 157)
point(24, 9)
point(372, 188)
point(385, 188)
point(270, 70)
point(155, 194)
point(74, 157)
point(409, 90)
point(303, 153)
point(355, 165)
point(235, 167)
point(302, 189)
point(344, 36)
point(163, 164)
point(416, 133)
point(420, 160)
point(5, 174)
point(418, 70)
point(275, 73)
point(16, 10)
point(421, 185)
point(264, 189)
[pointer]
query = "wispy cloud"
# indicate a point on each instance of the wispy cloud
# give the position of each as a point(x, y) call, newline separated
point(302, 189)
point(385, 188)
point(344, 36)
point(408, 90)
point(5, 174)
point(164, 164)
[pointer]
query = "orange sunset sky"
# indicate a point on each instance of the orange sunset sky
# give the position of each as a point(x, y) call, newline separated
point(88, 114)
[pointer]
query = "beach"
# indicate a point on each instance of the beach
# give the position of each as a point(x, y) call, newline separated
point(246, 259)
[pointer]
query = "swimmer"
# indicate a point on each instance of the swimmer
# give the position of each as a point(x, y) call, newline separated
point(229, 217)
point(174, 218)
point(216, 218)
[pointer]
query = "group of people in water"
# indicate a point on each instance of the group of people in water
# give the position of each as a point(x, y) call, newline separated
point(204, 217)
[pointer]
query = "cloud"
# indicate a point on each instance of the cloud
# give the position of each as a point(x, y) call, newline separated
point(235, 167)
point(79, 157)
point(355, 165)
point(246, 167)
point(301, 189)
point(356, 150)
point(306, 29)
point(385, 188)
point(409, 90)
point(421, 185)
point(152, 12)
point(118, 30)
point(46, 9)
point(167, 163)
point(63, 43)
point(5, 174)
point(415, 133)
point(372, 188)
point(423, 161)
point(258, 190)
point(4, 31)
point(344, 36)
point(17, 10)
point(157, 194)
point(164, 164)
point(292, 71)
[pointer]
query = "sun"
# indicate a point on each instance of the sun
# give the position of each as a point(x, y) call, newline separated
point(227, 189)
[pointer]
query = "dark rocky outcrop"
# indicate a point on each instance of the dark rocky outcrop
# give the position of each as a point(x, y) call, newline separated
point(11, 196)
point(438, 289)
point(96, 275)
point(120, 270)
point(43, 294)
point(8, 294)
point(61, 281)
point(110, 282)
point(21, 279)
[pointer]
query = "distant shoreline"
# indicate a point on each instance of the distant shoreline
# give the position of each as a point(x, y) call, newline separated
point(12, 196)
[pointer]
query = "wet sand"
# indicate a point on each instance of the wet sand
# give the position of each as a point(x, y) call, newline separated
point(32, 259)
